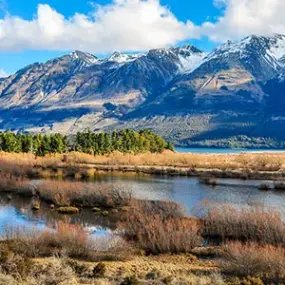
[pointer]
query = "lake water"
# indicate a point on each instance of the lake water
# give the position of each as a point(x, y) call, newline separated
point(187, 191)
point(223, 150)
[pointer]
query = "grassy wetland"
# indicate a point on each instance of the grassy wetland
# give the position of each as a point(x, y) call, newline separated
point(148, 241)
point(79, 165)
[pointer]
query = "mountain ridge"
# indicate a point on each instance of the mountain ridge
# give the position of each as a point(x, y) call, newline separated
point(183, 93)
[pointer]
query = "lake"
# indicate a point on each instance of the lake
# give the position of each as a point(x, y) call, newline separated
point(187, 191)
point(223, 150)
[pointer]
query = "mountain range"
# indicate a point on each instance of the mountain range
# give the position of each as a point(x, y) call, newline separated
point(233, 94)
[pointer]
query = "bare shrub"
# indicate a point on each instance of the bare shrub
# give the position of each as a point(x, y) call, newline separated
point(165, 209)
point(15, 184)
point(251, 224)
point(251, 259)
point(67, 193)
point(67, 239)
point(264, 187)
point(280, 186)
point(156, 234)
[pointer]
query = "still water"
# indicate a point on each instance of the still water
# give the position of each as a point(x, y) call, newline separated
point(224, 150)
point(187, 191)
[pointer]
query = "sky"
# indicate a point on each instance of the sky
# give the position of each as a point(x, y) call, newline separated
point(37, 30)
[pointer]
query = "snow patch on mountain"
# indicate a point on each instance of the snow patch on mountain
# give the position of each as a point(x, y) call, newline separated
point(122, 58)
point(190, 63)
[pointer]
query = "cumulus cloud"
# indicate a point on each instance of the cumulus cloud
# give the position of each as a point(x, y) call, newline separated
point(129, 25)
point(245, 17)
point(136, 25)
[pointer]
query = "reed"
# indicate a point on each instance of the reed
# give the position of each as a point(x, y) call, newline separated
point(21, 163)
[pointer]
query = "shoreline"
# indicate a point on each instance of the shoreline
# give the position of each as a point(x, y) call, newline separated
point(174, 172)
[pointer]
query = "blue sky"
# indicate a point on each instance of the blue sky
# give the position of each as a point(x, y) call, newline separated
point(36, 30)
point(197, 11)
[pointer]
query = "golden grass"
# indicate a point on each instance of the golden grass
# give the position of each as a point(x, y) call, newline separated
point(254, 161)
point(84, 166)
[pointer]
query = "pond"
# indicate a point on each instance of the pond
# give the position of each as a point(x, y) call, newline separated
point(187, 191)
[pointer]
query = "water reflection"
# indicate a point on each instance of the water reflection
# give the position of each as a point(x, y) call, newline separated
point(187, 191)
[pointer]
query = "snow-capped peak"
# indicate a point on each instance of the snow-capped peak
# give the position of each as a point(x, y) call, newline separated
point(277, 47)
point(121, 58)
point(189, 57)
point(272, 46)
point(84, 56)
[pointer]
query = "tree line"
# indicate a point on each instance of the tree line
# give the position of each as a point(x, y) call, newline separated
point(126, 141)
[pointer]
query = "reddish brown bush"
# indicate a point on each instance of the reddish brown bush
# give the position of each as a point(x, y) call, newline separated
point(157, 233)
point(254, 224)
point(266, 262)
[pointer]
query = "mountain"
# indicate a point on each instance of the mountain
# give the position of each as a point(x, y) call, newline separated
point(190, 97)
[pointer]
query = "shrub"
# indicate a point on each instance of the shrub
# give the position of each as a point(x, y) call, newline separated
point(265, 262)
point(208, 181)
point(156, 234)
point(130, 280)
point(264, 187)
point(99, 270)
point(251, 224)
point(280, 186)
point(14, 264)
point(67, 193)
point(71, 240)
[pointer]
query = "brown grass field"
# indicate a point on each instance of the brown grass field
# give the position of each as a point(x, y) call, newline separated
point(80, 165)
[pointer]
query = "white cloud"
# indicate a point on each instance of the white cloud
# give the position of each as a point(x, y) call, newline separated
point(135, 25)
point(245, 17)
point(123, 25)
point(3, 73)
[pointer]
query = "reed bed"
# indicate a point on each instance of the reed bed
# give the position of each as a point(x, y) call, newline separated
point(23, 163)
point(68, 193)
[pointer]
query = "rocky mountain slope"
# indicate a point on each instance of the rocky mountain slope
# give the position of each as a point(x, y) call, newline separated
point(188, 96)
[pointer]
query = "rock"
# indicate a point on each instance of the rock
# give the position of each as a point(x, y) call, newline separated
point(96, 210)
point(105, 213)
point(36, 205)
point(68, 210)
